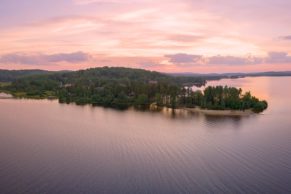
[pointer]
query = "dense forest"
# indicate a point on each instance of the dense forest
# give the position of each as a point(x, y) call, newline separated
point(121, 88)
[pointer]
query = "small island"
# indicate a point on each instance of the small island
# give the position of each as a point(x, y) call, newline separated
point(122, 88)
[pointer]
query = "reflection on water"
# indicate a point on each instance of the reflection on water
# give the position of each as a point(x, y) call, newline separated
point(218, 120)
point(208, 119)
point(47, 147)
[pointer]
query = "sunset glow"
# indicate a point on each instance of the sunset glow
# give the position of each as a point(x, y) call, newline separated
point(164, 35)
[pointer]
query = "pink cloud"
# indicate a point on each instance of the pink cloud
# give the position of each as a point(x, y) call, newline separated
point(153, 34)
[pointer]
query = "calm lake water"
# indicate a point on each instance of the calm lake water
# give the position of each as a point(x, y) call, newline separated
point(47, 147)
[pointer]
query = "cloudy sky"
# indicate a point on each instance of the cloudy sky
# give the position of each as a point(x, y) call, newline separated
point(164, 35)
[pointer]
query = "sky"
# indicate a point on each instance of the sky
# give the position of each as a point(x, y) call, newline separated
point(199, 36)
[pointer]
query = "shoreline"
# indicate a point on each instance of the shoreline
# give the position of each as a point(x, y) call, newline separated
point(4, 95)
point(247, 112)
point(153, 107)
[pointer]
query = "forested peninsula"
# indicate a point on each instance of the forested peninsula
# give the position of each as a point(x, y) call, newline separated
point(121, 88)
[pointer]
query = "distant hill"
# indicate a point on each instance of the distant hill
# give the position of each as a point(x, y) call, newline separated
point(121, 72)
point(113, 73)
point(213, 76)
point(12, 75)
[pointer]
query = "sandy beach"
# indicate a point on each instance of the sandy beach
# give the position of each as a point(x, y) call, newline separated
point(5, 96)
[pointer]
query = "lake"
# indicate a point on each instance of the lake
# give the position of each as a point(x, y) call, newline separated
point(47, 147)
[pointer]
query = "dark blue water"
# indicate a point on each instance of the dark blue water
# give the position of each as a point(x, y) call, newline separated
point(46, 147)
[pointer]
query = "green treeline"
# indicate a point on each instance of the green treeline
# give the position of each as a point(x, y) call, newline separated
point(222, 98)
point(121, 88)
